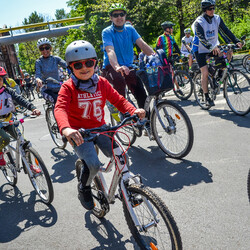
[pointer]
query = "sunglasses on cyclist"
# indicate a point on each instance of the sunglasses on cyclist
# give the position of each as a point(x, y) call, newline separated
point(44, 48)
point(122, 14)
point(212, 8)
point(88, 64)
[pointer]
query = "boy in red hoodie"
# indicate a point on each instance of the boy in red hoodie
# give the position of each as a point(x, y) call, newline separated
point(80, 104)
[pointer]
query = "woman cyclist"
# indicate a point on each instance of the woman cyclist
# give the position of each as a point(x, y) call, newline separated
point(47, 66)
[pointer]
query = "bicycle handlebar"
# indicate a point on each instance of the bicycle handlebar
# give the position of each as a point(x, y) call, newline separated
point(87, 133)
point(14, 122)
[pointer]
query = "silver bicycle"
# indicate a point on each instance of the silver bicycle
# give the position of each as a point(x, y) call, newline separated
point(20, 154)
point(148, 218)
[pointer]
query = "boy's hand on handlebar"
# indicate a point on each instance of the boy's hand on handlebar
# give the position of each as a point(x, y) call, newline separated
point(73, 134)
point(141, 113)
point(216, 51)
point(39, 83)
point(239, 44)
point(36, 112)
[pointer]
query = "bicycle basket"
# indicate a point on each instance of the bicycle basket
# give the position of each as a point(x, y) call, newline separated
point(160, 78)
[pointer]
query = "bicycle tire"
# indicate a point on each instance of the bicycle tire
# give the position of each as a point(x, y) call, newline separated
point(175, 141)
point(165, 231)
point(237, 92)
point(41, 181)
point(246, 63)
point(9, 169)
point(125, 131)
point(185, 83)
point(53, 129)
point(248, 185)
point(198, 91)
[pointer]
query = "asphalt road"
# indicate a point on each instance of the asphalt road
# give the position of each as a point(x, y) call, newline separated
point(206, 192)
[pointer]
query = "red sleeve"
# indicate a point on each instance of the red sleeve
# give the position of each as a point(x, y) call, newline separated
point(122, 104)
point(62, 107)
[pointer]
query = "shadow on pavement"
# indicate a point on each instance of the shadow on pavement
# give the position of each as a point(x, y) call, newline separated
point(241, 121)
point(105, 233)
point(64, 167)
point(19, 214)
point(171, 175)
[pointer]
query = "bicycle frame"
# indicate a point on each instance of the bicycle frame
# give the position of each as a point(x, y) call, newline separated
point(121, 177)
point(19, 151)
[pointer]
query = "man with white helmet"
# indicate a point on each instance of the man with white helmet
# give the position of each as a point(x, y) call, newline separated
point(206, 28)
point(186, 45)
point(47, 66)
point(80, 104)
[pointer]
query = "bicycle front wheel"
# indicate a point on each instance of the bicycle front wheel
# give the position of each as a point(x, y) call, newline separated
point(157, 228)
point(9, 169)
point(246, 63)
point(172, 129)
point(185, 85)
point(54, 130)
point(125, 134)
point(198, 91)
point(39, 178)
point(237, 92)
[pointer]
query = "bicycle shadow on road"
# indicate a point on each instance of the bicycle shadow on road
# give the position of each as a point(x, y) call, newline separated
point(167, 173)
point(19, 214)
point(240, 121)
point(105, 233)
point(64, 167)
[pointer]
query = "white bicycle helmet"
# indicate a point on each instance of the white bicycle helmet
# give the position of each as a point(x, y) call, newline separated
point(79, 50)
point(43, 41)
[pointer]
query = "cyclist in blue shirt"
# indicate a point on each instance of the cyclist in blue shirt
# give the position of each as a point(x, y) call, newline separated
point(118, 42)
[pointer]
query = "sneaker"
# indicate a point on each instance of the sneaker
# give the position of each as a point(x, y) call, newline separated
point(85, 197)
point(2, 161)
point(179, 91)
point(35, 169)
point(209, 102)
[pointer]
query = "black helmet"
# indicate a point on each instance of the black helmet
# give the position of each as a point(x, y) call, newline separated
point(206, 4)
point(167, 24)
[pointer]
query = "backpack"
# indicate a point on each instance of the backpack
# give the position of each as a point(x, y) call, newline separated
point(156, 75)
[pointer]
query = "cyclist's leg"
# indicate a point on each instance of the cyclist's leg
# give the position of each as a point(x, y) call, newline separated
point(49, 95)
point(116, 79)
point(4, 141)
point(135, 84)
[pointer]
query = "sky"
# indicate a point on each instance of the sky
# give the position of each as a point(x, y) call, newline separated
point(13, 12)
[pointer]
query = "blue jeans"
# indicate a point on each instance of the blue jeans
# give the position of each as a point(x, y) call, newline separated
point(87, 153)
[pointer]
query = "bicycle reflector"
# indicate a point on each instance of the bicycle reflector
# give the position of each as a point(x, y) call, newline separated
point(36, 161)
point(177, 116)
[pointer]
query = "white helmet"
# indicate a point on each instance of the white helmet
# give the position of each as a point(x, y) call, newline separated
point(43, 41)
point(79, 50)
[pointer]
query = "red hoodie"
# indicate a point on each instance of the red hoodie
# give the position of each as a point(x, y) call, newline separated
point(79, 109)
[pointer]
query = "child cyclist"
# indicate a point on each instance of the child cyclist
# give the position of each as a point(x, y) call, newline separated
point(7, 96)
point(80, 104)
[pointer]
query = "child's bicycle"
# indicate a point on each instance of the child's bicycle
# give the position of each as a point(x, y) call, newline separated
point(236, 84)
point(20, 154)
point(148, 218)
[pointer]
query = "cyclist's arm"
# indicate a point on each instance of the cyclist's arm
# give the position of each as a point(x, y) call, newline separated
point(112, 57)
point(226, 34)
point(20, 100)
point(177, 50)
point(38, 74)
point(144, 47)
point(61, 62)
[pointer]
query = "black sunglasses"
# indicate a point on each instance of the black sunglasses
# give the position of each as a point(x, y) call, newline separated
point(212, 8)
point(43, 48)
point(89, 63)
point(122, 14)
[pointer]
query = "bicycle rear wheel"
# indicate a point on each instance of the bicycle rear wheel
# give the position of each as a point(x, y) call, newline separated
point(126, 135)
point(9, 169)
point(176, 137)
point(185, 83)
point(53, 129)
point(237, 92)
point(158, 227)
point(41, 181)
point(198, 91)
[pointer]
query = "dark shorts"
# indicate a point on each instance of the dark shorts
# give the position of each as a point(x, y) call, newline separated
point(201, 58)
